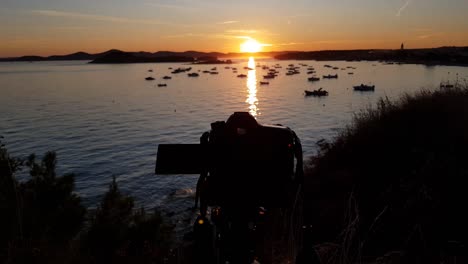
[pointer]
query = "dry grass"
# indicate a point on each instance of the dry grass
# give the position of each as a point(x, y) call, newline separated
point(393, 180)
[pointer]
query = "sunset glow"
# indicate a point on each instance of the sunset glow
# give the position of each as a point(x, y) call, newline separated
point(251, 46)
point(43, 27)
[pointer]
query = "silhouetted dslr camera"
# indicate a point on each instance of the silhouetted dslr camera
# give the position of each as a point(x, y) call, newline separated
point(240, 161)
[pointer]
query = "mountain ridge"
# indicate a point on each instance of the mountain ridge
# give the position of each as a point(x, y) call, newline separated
point(428, 56)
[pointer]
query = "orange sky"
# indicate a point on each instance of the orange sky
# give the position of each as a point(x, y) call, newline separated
point(45, 27)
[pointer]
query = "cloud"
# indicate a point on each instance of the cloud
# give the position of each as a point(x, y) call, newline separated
point(185, 35)
point(421, 29)
point(334, 41)
point(402, 8)
point(256, 32)
point(291, 19)
point(239, 37)
point(290, 44)
point(228, 22)
point(54, 13)
point(172, 6)
point(242, 31)
point(431, 35)
point(228, 34)
point(424, 36)
point(215, 36)
point(298, 16)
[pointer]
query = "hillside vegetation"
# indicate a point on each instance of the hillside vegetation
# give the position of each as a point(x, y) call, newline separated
point(393, 183)
point(43, 221)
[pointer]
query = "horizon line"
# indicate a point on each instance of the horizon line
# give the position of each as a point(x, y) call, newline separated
point(227, 53)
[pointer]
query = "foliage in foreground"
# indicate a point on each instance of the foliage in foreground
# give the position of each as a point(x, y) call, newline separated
point(394, 181)
point(43, 220)
point(118, 233)
point(41, 214)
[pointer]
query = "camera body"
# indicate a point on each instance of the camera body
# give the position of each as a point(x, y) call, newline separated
point(249, 163)
point(241, 162)
point(250, 177)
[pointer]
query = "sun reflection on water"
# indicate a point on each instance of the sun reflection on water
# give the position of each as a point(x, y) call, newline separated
point(252, 89)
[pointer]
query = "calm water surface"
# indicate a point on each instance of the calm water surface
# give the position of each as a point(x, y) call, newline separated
point(106, 120)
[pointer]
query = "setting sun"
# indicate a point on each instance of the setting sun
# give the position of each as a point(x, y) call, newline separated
point(251, 46)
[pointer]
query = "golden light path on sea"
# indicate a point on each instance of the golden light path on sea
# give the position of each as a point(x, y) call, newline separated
point(252, 99)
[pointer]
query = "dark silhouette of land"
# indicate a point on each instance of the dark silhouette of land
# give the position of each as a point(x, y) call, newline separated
point(139, 57)
point(118, 56)
point(142, 56)
point(391, 188)
point(432, 56)
point(435, 56)
point(74, 56)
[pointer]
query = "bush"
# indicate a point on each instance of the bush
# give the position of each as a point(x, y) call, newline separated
point(43, 220)
point(119, 233)
point(51, 210)
point(42, 214)
point(10, 227)
point(394, 179)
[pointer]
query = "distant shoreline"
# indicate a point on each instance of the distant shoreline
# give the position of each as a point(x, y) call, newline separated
point(444, 56)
